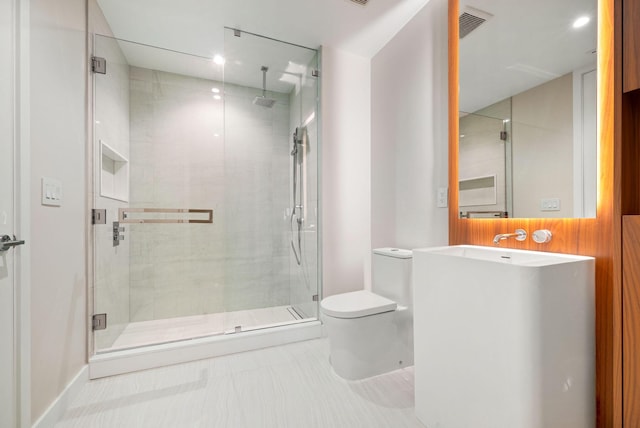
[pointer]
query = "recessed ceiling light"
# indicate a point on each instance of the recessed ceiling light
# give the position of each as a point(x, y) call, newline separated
point(219, 59)
point(215, 90)
point(581, 22)
point(217, 97)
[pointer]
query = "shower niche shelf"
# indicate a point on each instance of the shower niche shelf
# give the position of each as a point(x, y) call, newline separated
point(114, 174)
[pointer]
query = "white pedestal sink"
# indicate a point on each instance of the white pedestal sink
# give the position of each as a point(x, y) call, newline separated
point(503, 338)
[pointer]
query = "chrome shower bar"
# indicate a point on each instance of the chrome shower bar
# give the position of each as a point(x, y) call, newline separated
point(164, 215)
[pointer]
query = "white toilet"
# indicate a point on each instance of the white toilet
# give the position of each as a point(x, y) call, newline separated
point(371, 333)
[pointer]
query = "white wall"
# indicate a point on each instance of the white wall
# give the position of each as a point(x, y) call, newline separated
point(346, 171)
point(542, 123)
point(58, 293)
point(409, 133)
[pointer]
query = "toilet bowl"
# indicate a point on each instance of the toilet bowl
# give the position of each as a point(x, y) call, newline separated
point(371, 332)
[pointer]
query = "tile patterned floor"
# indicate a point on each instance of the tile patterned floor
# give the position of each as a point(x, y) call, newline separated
point(173, 329)
point(286, 386)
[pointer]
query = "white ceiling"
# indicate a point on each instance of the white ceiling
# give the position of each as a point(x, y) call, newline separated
point(530, 41)
point(524, 44)
point(197, 27)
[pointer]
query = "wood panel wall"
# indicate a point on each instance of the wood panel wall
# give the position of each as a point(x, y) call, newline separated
point(599, 237)
point(629, 147)
point(631, 319)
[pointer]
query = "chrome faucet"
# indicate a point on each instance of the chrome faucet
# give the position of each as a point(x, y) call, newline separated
point(520, 235)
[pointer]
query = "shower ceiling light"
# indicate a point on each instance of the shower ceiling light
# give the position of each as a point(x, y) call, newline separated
point(581, 22)
point(217, 97)
point(219, 59)
point(215, 90)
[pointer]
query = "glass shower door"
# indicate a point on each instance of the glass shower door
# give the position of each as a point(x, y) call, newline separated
point(159, 257)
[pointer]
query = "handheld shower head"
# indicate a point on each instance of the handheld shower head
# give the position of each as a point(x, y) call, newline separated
point(298, 139)
point(295, 143)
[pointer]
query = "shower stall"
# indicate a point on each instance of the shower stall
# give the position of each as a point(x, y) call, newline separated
point(205, 195)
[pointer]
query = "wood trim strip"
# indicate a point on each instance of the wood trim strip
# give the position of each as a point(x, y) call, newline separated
point(631, 46)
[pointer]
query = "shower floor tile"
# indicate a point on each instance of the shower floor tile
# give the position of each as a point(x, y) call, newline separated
point(173, 329)
point(284, 386)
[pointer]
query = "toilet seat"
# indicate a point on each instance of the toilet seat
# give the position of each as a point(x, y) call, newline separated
point(356, 304)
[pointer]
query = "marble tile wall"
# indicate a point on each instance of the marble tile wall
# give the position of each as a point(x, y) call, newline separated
point(189, 150)
point(111, 117)
point(257, 166)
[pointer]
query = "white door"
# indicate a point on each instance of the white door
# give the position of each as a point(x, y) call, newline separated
point(7, 258)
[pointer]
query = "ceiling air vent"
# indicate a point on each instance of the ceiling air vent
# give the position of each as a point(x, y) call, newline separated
point(361, 2)
point(470, 19)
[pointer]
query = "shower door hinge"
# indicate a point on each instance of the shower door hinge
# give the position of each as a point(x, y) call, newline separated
point(99, 322)
point(315, 298)
point(98, 216)
point(98, 65)
point(315, 73)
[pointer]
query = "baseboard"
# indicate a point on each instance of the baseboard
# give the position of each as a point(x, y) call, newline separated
point(55, 411)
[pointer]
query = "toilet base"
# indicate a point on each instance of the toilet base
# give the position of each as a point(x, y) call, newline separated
point(371, 345)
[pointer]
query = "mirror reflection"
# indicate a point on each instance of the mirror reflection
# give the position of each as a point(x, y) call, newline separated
point(528, 85)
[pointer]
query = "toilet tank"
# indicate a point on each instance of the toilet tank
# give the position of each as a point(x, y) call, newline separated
point(392, 274)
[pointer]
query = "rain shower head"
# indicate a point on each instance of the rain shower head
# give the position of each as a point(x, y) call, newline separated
point(263, 101)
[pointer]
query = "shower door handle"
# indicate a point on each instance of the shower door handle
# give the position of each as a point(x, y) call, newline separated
point(6, 242)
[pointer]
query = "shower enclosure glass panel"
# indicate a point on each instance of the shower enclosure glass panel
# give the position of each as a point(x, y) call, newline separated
point(196, 183)
point(272, 205)
point(485, 152)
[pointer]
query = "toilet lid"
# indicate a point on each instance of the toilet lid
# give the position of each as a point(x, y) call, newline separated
point(356, 304)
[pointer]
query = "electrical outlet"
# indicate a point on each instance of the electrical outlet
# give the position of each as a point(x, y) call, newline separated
point(550, 204)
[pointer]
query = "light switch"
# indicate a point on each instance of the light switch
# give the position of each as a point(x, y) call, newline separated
point(443, 197)
point(51, 192)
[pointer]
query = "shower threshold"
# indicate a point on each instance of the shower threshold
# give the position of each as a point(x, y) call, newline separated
point(153, 332)
point(154, 355)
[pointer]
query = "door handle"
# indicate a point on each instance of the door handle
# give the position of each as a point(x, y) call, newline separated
point(6, 242)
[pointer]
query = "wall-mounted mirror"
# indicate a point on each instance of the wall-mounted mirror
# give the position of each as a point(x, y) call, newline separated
point(528, 109)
